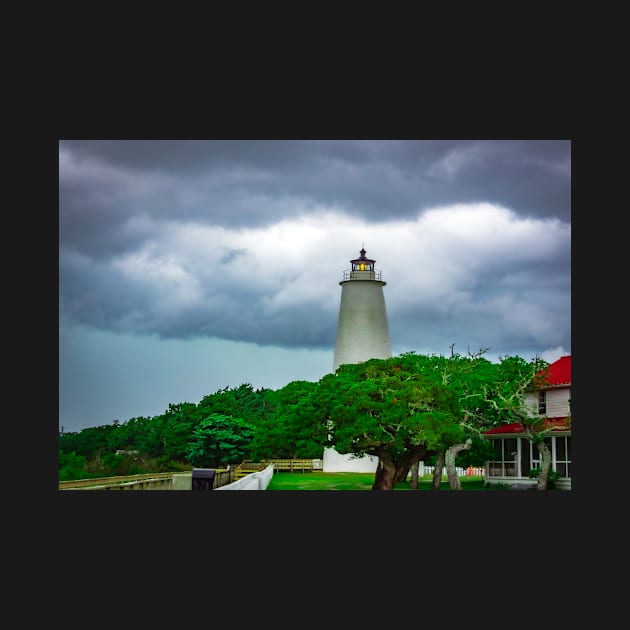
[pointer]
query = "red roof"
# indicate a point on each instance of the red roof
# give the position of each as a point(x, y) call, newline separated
point(558, 424)
point(560, 371)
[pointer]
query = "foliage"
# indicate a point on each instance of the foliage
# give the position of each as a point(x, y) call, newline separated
point(219, 440)
point(552, 477)
point(175, 431)
point(291, 429)
point(407, 407)
point(398, 409)
point(386, 406)
point(480, 451)
point(113, 464)
point(240, 402)
point(72, 466)
point(159, 444)
point(88, 441)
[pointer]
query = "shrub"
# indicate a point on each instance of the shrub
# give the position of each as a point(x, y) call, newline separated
point(552, 477)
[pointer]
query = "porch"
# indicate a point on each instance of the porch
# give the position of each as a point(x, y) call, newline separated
point(515, 457)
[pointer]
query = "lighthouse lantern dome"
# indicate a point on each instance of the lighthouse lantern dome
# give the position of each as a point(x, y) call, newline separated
point(362, 268)
point(362, 263)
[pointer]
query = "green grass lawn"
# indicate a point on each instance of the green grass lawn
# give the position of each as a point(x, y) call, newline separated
point(358, 481)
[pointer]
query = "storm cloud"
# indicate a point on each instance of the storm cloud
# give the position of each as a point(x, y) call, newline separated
point(246, 242)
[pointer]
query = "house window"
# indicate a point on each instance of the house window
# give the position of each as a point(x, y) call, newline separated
point(504, 459)
point(526, 457)
point(563, 455)
point(542, 403)
point(508, 453)
point(560, 447)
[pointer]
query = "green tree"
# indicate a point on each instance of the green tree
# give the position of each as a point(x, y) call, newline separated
point(412, 406)
point(72, 466)
point(219, 440)
point(120, 465)
point(491, 394)
point(87, 442)
point(239, 402)
point(176, 431)
point(395, 409)
point(288, 430)
point(488, 394)
point(470, 380)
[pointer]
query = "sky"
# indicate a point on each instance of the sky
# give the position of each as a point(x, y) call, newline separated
point(188, 266)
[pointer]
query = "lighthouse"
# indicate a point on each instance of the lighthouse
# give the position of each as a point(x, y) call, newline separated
point(362, 334)
point(362, 328)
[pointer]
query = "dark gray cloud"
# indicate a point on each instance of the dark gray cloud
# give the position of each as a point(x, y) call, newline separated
point(246, 183)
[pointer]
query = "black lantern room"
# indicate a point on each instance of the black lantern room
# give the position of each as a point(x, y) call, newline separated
point(362, 263)
point(362, 269)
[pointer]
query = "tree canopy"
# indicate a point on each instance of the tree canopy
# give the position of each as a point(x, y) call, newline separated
point(219, 440)
point(404, 409)
point(410, 406)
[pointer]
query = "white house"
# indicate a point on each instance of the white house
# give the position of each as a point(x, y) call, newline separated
point(515, 456)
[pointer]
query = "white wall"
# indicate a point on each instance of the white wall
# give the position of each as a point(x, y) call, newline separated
point(253, 481)
point(557, 402)
point(338, 462)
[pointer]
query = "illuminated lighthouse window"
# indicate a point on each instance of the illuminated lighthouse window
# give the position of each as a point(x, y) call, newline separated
point(358, 265)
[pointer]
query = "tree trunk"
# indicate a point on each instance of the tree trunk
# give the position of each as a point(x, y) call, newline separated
point(545, 465)
point(410, 457)
point(437, 471)
point(451, 456)
point(413, 481)
point(385, 472)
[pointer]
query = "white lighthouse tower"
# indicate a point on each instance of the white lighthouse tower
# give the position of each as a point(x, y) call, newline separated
point(362, 328)
point(362, 334)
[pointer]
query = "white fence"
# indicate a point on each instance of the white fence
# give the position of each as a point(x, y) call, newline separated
point(461, 472)
point(253, 481)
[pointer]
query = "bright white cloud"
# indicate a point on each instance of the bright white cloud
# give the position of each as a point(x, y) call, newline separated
point(435, 260)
